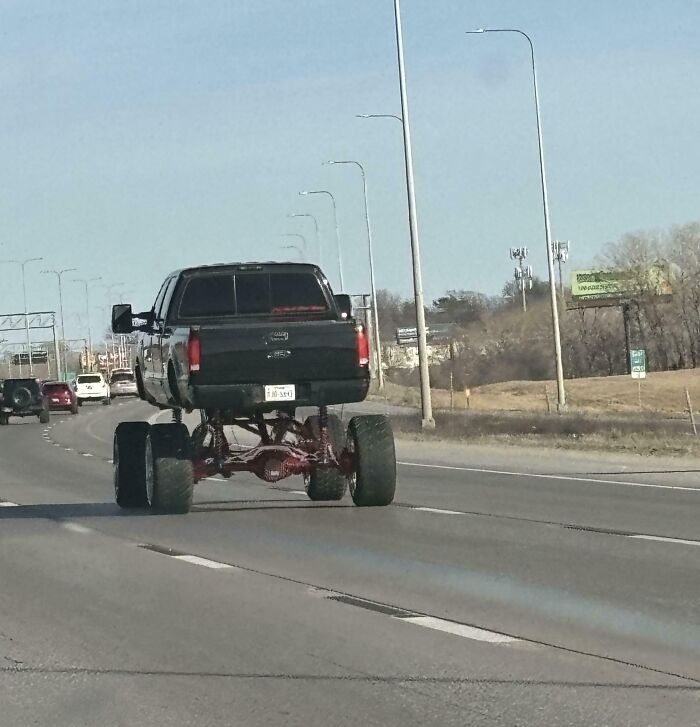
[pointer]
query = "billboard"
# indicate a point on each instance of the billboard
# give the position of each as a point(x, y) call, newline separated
point(610, 287)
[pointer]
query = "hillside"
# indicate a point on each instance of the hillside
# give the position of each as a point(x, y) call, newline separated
point(662, 392)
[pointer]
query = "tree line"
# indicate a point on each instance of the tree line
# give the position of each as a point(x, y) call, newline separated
point(495, 341)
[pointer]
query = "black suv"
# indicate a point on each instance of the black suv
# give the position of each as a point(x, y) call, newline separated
point(23, 398)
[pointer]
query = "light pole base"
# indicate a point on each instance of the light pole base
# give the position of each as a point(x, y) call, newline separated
point(562, 408)
point(427, 424)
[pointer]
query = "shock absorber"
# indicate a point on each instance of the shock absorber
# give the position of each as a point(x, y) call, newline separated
point(323, 433)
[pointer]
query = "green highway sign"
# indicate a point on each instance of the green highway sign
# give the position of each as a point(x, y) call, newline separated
point(638, 363)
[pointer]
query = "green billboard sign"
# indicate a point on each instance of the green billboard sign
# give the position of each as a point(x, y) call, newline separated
point(612, 285)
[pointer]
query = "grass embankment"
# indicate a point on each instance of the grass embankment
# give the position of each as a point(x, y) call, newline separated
point(604, 413)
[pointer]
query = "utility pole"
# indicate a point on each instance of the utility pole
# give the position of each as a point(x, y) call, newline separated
point(522, 275)
point(560, 251)
point(59, 275)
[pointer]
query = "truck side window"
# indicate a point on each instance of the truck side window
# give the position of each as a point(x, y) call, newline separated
point(167, 297)
point(159, 297)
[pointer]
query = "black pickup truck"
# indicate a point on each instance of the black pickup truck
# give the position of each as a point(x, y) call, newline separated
point(238, 342)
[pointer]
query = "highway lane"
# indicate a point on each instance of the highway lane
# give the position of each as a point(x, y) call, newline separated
point(72, 555)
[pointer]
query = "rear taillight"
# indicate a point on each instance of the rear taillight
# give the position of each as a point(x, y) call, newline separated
point(194, 351)
point(362, 347)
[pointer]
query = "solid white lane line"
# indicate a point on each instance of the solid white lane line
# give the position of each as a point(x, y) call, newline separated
point(196, 560)
point(86, 454)
point(8, 504)
point(548, 477)
point(450, 627)
point(297, 492)
point(76, 528)
point(661, 539)
point(437, 510)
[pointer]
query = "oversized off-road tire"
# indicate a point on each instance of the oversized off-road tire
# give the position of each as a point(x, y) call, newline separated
point(44, 416)
point(371, 440)
point(327, 483)
point(173, 478)
point(74, 409)
point(133, 465)
point(4, 420)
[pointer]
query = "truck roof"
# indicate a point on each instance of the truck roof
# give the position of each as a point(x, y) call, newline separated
point(311, 267)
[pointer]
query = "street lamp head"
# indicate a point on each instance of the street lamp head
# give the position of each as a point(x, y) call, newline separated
point(476, 30)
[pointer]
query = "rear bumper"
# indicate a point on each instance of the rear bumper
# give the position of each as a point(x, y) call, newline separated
point(22, 412)
point(131, 391)
point(245, 399)
point(92, 397)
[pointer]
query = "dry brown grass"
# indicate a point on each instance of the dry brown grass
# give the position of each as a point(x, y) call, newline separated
point(661, 393)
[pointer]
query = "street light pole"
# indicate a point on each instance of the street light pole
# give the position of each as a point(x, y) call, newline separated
point(318, 236)
point(375, 315)
point(86, 283)
point(427, 408)
point(337, 232)
point(59, 276)
point(561, 393)
point(294, 247)
point(303, 242)
point(22, 264)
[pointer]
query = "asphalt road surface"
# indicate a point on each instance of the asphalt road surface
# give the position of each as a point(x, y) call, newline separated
point(502, 588)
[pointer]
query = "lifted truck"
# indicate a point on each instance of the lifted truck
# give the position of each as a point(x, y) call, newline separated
point(246, 345)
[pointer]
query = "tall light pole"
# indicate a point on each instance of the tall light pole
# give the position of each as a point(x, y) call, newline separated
point(318, 236)
point(337, 231)
point(561, 393)
point(59, 276)
point(303, 242)
point(375, 315)
point(22, 264)
point(426, 401)
point(297, 248)
point(86, 283)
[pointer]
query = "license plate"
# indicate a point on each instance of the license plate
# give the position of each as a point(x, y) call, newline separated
point(280, 392)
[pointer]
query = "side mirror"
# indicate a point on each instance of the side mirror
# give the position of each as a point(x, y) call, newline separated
point(122, 319)
point(344, 305)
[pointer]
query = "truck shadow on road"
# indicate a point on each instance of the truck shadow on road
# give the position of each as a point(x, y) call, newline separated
point(73, 510)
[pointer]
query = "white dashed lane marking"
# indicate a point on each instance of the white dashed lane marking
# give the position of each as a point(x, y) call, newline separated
point(457, 629)
point(76, 528)
point(437, 510)
point(196, 560)
point(660, 539)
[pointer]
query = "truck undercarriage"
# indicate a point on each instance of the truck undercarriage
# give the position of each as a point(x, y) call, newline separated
point(157, 465)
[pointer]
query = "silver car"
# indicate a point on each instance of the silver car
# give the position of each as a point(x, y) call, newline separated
point(123, 383)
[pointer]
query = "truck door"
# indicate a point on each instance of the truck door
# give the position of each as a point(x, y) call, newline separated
point(150, 342)
point(160, 356)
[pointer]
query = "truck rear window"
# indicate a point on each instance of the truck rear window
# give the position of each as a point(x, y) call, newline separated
point(273, 294)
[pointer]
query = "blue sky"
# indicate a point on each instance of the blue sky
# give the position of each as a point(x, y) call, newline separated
point(139, 136)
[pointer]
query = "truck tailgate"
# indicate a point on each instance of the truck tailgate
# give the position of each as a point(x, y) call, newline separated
point(278, 353)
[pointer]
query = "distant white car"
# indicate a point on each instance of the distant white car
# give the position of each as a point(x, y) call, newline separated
point(92, 387)
point(123, 383)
